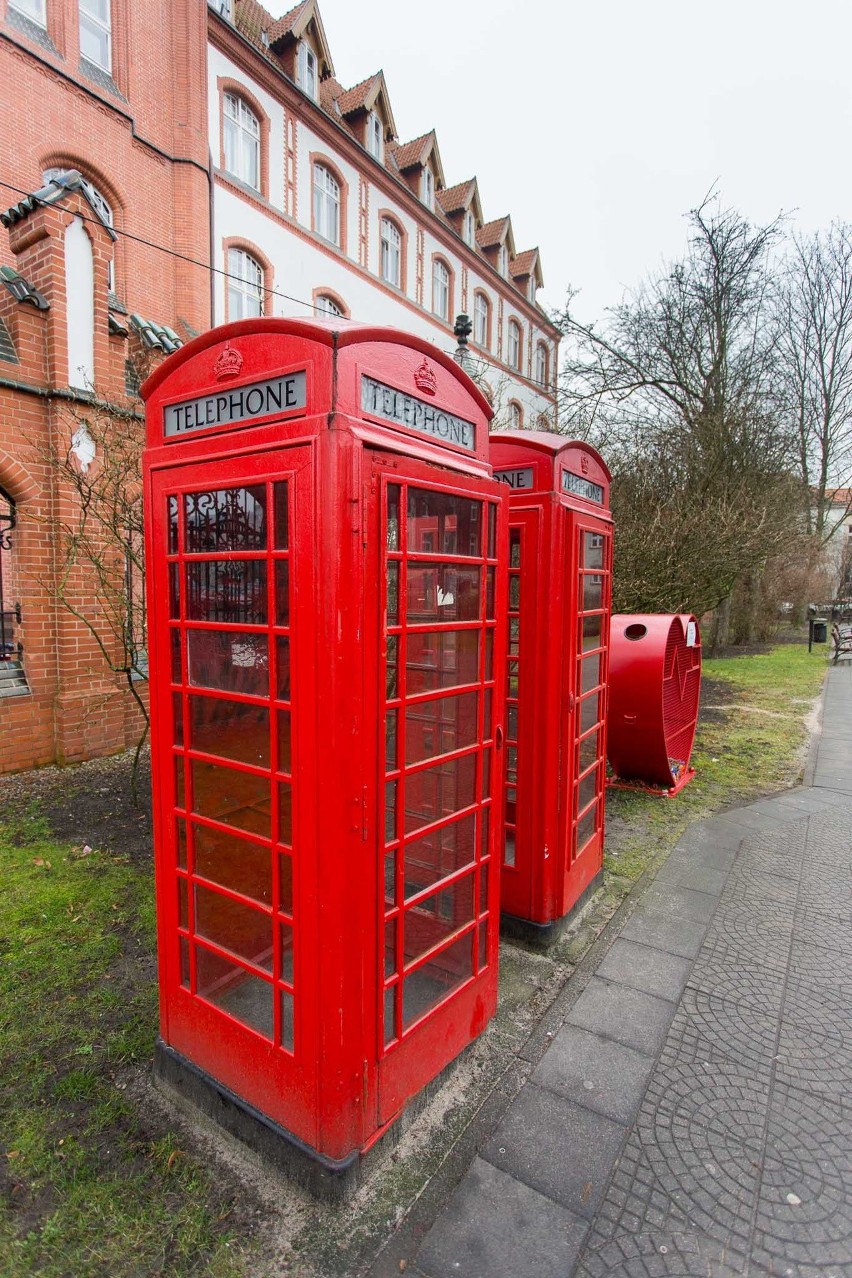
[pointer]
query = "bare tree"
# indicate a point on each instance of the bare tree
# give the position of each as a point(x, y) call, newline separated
point(813, 312)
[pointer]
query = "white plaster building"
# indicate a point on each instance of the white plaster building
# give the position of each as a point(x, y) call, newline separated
point(317, 204)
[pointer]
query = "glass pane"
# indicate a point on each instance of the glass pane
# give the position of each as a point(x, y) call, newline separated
point(233, 862)
point(442, 852)
point(390, 811)
point(432, 920)
point(509, 848)
point(434, 728)
point(391, 686)
point(586, 828)
point(390, 878)
point(282, 592)
point(247, 998)
point(486, 774)
point(183, 904)
point(514, 593)
point(179, 792)
point(514, 635)
point(587, 790)
point(233, 729)
point(232, 590)
point(234, 798)
point(590, 672)
point(280, 499)
point(184, 962)
point(486, 721)
point(512, 722)
point(514, 547)
point(592, 591)
point(439, 792)
point(284, 741)
point(286, 1020)
point(592, 631)
point(442, 659)
point(286, 952)
point(285, 812)
point(432, 982)
point(489, 655)
point(393, 517)
point(393, 592)
point(489, 595)
point(173, 525)
point(483, 887)
point(482, 958)
point(225, 519)
point(177, 717)
point(180, 827)
point(588, 751)
point(390, 947)
point(233, 926)
point(177, 672)
point(285, 862)
point(390, 1014)
point(589, 712)
point(492, 530)
point(391, 721)
point(229, 660)
point(283, 680)
point(443, 523)
point(442, 592)
point(174, 590)
point(593, 550)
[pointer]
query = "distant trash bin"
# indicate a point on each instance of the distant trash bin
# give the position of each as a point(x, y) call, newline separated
point(820, 630)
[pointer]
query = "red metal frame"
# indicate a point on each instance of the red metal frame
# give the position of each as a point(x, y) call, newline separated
point(270, 549)
point(560, 563)
point(655, 687)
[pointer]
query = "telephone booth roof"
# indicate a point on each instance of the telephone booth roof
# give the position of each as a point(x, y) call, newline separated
point(408, 394)
point(541, 461)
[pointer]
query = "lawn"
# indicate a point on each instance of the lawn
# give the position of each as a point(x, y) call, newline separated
point(94, 1181)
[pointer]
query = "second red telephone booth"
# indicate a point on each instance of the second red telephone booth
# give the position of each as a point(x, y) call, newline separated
point(560, 559)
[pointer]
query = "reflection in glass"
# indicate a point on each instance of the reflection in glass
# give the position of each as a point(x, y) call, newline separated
point(184, 962)
point(588, 751)
point(233, 926)
point(391, 673)
point(438, 854)
point(286, 952)
point(439, 791)
point(286, 1020)
point(230, 590)
point(436, 917)
point(590, 672)
point(514, 593)
point(390, 947)
point(229, 660)
point(225, 519)
point(592, 591)
point(589, 711)
point(282, 592)
point(592, 631)
point(442, 592)
point(280, 498)
point(285, 863)
point(489, 655)
point(443, 523)
point(285, 812)
point(235, 798)
point(514, 547)
point(390, 811)
point(390, 878)
point(183, 904)
point(483, 886)
point(391, 720)
point(482, 957)
point(174, 643)
point(172, 516)
point(489, 595)
point(179, 794)
point(393, 517)
point(430, 984)
point(174, 590)
point(587, 789)
point(486, 773)
point(285, 754)
point(492, 530)
point(177, 715)
point(233, 862)
point(586, 828)
point(283, 679)
point(441, 659)
point(393, 592)
point(593, 550)
point(232, 729)
point(242, 995)
point(390, 1014)
point(433, 728)
point(514, 635)
point(180, 826)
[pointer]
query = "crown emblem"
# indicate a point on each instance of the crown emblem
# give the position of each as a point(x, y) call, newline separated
point(425, 379)
point(229, 363)
point(584, 463)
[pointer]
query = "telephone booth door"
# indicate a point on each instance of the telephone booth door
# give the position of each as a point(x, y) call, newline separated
point(440, 776)
point(229, 626)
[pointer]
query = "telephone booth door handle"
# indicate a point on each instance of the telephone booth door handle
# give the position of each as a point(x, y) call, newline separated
point(498, 737)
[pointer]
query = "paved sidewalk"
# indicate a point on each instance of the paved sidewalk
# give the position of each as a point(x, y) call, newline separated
point(691, 1113)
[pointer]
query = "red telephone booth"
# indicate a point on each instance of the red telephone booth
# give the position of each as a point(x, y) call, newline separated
point(327, 658)
point(560, 555)
point(655, 687)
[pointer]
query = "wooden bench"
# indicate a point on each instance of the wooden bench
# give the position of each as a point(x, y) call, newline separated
point(842, 637)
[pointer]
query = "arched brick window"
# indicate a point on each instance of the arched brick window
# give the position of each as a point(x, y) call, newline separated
point(241, 140)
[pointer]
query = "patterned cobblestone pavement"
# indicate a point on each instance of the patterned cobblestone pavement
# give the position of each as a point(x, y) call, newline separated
point(692, 1117)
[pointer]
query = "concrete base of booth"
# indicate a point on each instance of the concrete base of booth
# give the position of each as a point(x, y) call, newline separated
point(543, 935)
point(333, 1180)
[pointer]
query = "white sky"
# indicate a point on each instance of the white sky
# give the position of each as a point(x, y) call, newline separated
point(598, 124)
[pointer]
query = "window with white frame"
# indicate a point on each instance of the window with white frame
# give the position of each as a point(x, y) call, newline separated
point(35, 10)
point(531, 289)
point(223, 8)
point(100, 203)
point(541, 364)
point(308, 78)
point(502, 260)
point(514, 345)
point(326, 204)
point(516, 415)
point(440, 290)
point(375, 136)
point(391, 264)
point(468, 228)
point(327, 306)
point(427, 188)
point(241, 138)
point(245, 285)
point(96, 33)
point(480, 319)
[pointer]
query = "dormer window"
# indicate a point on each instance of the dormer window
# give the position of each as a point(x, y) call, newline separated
point(223, 8)
point(468, 228)
point(427, 188)
point(532, 288)
point(308, 78)
point(502, 260)
point(375, 136)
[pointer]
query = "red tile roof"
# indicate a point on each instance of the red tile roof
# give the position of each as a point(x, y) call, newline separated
point(354, 99)
point(523, 263)
point(408, 154)
point(456, 198)
point(493, 233)
point(286, 24)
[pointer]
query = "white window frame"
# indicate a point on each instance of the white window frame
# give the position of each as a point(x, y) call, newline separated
point(96, 26)
point(541, 362)
point(441, 289)
point(427, 188)
point(516, 415)
point(481, 317)
point(391, 253)
point(241, 140)
point(326, 201)
point(223, 8)
point(375, 136)
point(468, 228)
point(502, 260)
point(245, 285)
point(308, 70)
point(35, 10)
point(514, 346)
point(326, 305)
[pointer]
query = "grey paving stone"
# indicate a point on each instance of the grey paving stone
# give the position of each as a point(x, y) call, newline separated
point(643, 968)
point(693, 874)
point(561, 1149)
point(684, 902)
point(746, 983)
point(752, 930)
point(750, 882)
point(628, 1016)
point(596, 1072)
point(496, 1227)
point(712, 1028)
point(824, 932)
point(662, 932)
point(655, 1255)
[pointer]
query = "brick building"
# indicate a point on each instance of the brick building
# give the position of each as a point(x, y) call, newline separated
point(221, 171)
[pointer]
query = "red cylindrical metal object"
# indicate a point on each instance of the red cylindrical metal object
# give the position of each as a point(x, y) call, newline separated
point(655, 684)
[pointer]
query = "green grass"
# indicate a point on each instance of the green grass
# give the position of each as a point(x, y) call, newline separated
point(91, 1187)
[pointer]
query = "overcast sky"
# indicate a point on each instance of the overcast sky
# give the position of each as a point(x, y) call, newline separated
point(598, 125)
